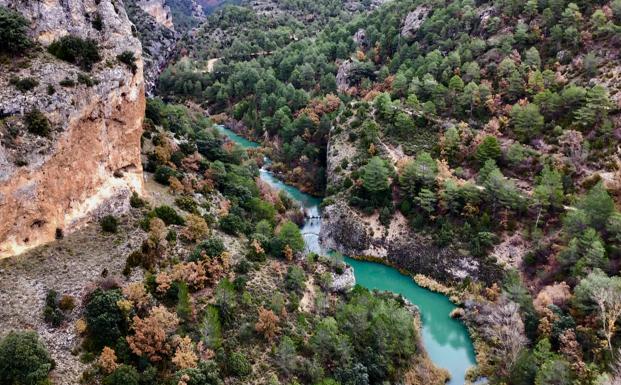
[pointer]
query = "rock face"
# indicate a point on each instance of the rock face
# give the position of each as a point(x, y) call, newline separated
point(158, 11)
point(344, 282)
point(91, 162)
point(343, 74)
point(154, 26)
point(414, 20)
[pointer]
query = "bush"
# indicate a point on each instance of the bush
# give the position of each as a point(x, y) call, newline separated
point(109, 224)
point(74, 49)
point(128, 58)
point(66, 303)
point(13, 31)
point(51, 313)
point(106, 322)
point(233, 224)
point(163, 175)
point(66, 82)
point(168, 215)
point(23, 359)
point(86, 80)
point(238, 365)
point(24, 84)
point(135, 201)
point(295, 278)
point(188, 204)
point(37, 123)
point(123, 375)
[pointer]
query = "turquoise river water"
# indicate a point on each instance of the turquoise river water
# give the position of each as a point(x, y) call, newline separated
point(447, 340)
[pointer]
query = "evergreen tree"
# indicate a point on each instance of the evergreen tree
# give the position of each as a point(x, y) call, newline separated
point(375, 177)
point(598, 206)
point(488, 149)
point(548, 192)
point(527, 121)
point(596, 109)
point(426, 200)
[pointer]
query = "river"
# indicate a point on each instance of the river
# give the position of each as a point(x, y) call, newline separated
point(447, 340)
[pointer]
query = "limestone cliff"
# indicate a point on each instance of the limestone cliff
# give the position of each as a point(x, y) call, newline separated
point(154, 27)
point(90, 163)
point(159, 11)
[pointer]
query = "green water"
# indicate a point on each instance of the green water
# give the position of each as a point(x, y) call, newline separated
point(446, 340)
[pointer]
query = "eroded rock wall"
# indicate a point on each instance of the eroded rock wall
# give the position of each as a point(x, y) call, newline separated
point(90, 163)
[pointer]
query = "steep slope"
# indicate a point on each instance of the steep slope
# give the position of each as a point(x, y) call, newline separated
point(90, 161)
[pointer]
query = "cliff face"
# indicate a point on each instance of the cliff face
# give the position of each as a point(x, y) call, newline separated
point(155, 29)
point(90, 163)
point(159, 11)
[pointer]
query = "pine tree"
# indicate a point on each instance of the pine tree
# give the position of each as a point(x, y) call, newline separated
point(488, 149)
point(375, 177)
point(527, 121)
point(596, 109)
point(426, 200)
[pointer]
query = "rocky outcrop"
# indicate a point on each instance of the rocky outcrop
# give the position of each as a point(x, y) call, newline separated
point(158, 11)
point(414, 20)
point(343, 75)
point(155, 29)
point(345, 230)
point(360, 38)
point(344, 282)
point(90, 163)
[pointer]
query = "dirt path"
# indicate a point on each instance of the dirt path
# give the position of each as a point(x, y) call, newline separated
point(211, 63)
point(307, 303)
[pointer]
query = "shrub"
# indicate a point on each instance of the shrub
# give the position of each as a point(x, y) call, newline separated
point(24, 84)
point(168, 215)
point(37, 123)
point(106, 322)
point(295, 278)
point(66, 303)
point(213, 247)
point(23, 359)
point(123, 375)
point(187, 204)
point(13, 31)
point(74, 49)
point(238, 365)
point(53, 316)
point(233, 224)
point(51, 313)
point(109, 224)
point(163, 175)
point(86, 80)
point(135, 201)
point(128, 58)
point(66, 82)
point(206, 373)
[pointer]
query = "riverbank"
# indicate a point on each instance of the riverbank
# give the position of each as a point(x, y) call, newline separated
point(446, 340)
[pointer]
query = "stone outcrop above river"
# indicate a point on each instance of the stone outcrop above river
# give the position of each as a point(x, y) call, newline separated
point(90, 163)
point(349, 232)
point(343, 282)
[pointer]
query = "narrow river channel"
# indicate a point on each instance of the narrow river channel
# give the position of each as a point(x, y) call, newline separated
point(447, 340)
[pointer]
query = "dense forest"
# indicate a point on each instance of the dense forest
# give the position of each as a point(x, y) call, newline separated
point(484, 124)
point(488, 130)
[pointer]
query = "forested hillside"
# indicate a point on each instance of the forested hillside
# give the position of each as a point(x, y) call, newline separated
point(490, 128)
